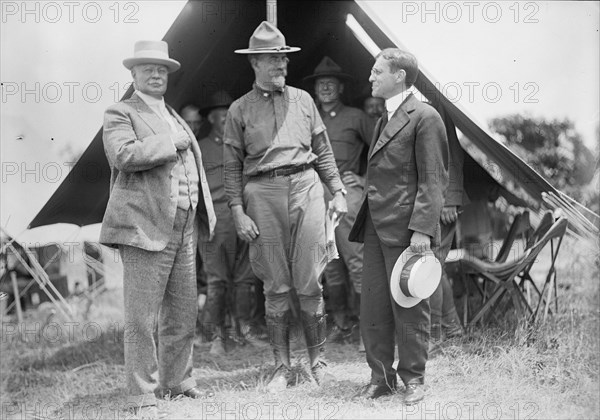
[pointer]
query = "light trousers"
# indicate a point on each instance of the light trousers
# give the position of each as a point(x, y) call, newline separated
point(160, 291)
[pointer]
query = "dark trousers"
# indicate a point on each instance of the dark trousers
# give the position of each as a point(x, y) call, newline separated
point(382, 319)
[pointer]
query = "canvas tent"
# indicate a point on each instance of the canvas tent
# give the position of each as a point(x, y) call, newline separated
point(203, 38)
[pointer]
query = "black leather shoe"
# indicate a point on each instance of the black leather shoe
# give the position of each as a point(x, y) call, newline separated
point(194, 393)
point(414, 393)
point(372, 391)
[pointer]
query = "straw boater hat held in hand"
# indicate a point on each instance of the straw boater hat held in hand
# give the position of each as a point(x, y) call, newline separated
point(267, 39)
point(415, 277)
point(152, 52)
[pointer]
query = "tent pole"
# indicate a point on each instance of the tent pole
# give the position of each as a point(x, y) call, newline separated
point(42, 280)
point(13, 279)
point(272, 11)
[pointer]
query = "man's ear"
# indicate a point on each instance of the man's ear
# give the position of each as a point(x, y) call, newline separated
point(401, 76)
point(341, 88)
point(211, 118)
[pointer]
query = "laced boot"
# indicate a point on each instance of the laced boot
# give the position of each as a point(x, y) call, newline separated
point(244, 302)
point(435, 341)
point(217, 346)
point(315, 327)
point(340, 331)
point(279, 337)
point(250, 336)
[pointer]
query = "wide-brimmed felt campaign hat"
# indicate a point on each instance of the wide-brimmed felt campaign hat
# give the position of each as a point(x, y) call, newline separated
point(219, 99)
point(151, 52)
point(415, 277)
point(267, 39)
point(328, 68)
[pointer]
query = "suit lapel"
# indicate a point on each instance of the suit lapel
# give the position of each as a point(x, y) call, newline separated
point(145, 112)
point(398, 121)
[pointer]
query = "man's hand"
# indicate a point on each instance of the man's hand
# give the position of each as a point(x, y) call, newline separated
point(244, 226)
point(350, 179)
point(338, 205)
point(449, 214)
point(181, 140)
point(419, 242)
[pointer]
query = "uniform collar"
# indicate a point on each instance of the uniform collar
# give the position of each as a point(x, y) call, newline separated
point(333, 111)
point(267, 93)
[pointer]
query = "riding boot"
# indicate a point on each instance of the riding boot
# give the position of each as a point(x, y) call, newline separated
point(279, 337)
point(315, 327)
point(244, 303)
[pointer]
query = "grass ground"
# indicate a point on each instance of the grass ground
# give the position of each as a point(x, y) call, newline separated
point(504, 369)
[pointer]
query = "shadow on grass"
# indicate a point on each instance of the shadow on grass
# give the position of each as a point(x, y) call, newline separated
point(107, 348)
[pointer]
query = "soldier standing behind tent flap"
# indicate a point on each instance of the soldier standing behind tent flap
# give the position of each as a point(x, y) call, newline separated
point(349, 130)
point(158, 195)
point(229, 275)
point(275, 139)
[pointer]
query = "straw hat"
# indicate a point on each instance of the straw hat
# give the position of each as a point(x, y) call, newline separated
point(415, 277)
point(151, 52)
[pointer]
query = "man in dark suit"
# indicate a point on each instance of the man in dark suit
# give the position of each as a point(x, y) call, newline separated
point(401, 207)
point(158, 200)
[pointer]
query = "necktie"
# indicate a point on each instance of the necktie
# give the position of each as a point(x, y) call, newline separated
point(384, 121)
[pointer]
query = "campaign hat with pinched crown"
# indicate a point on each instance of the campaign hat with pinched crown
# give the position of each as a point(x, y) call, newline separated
point(267, 39)
point(328, 68)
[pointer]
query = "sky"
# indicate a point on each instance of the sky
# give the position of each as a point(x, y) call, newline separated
point(60, 67)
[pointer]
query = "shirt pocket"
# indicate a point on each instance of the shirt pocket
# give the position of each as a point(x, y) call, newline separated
point(302, 129)
point(258, 137)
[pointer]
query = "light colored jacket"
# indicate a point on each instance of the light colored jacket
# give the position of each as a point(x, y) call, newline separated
point(143, 187)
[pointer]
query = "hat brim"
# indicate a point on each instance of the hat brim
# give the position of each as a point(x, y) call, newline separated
point(206, 110)
point(341, 76)
point(279, 50)
point(170, 64)
point(400, 298)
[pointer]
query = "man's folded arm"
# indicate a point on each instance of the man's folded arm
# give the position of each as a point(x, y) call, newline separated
point(126, 152)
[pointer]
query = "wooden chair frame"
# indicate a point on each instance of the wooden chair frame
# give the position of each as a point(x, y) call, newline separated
point(512, 276)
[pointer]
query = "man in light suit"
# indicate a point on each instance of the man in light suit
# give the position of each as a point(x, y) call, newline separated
point(401, 207)
point(158, 200)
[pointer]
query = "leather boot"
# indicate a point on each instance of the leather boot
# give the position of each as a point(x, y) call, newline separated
point(217, 346)
point(279, 337)
point(435, 341)
point(315, 327)
point(340, 331)
point(244, 303)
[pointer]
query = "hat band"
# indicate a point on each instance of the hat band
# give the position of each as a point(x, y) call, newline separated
point(151, 54)
point(284, 48)
point(405, 275)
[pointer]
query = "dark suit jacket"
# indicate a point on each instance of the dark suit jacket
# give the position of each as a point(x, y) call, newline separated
point(407, 176)
point(143, 191)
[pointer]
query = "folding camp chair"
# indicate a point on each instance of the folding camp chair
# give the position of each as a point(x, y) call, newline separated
point(546, 221)
point(519, 229)
point(510, 276)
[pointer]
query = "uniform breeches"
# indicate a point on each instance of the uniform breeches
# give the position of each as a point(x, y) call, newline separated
point(290, 249)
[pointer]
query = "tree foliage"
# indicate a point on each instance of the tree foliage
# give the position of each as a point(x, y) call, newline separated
point(553, 148)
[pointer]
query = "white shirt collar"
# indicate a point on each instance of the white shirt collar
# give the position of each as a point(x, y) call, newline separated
point(151, 100)
point(392, 104)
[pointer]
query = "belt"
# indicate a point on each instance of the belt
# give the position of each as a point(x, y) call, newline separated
point(285, 170)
